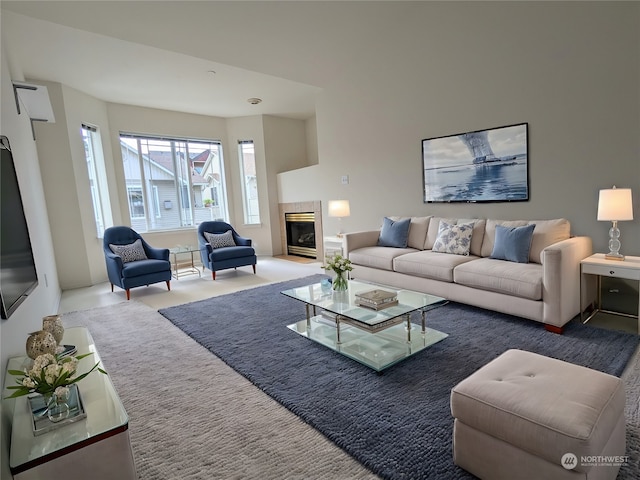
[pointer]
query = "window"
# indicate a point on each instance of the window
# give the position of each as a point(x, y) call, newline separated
point(250, 203)
point(169, 179)
point(97, 178)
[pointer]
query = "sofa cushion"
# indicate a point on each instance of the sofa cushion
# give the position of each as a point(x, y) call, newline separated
point(131, 252)
point(432, 231)
point(454, 239)
point(377, 257)
point(513, 243)
point(479, 225)
point(517, 279)
point(394, 233)
point(490, 233)
point(229, 253)
point(430, 264)
point(547, 232)
point(144, 267)
point(417, 231)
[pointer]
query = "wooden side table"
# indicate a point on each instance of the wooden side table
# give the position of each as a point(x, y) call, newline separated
point(598, 265)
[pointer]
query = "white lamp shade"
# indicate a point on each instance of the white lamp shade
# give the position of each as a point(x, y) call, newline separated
point(615, 204)
point(339, 208)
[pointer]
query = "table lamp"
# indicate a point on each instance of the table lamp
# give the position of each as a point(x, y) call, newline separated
point(615, 205)
point(339, 208)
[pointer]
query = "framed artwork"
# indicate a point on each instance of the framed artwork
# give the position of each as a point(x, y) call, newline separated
point(482, 166)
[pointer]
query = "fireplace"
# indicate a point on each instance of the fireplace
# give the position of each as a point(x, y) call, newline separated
point(301, 234)
point(305, 209)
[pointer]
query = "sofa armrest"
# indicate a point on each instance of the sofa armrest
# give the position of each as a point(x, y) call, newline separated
point(561, 280)
point(355, 240)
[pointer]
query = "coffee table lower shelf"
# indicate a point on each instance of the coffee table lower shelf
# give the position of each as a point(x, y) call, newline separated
point(375, 350)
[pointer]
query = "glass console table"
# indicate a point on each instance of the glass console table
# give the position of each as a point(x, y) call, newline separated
point(96, 447)
point(375, 338)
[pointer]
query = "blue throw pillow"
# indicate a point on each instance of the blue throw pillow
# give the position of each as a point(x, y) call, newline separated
point(513, 243)
point(394, 234)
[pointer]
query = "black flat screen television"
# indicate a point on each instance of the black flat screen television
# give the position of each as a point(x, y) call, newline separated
point(18, 276)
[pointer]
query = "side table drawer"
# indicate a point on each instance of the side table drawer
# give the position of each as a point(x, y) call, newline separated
point(609, 271)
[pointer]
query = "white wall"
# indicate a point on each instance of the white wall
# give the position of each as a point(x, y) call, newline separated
point(45, 298)
point(286, 148)
point(571, 70)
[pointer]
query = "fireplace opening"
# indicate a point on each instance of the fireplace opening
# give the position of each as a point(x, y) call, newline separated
point(301, 234)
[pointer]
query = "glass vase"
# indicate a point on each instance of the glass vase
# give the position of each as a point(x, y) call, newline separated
point(57, 406)
point(340, 282)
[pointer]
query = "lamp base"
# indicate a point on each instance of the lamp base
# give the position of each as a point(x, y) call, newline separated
point(614, 256)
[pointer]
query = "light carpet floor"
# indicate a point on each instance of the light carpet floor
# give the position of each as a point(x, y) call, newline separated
point(193, 417)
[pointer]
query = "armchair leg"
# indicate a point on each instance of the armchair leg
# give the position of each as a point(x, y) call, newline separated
point(213, 275)
point(112, 288)
point(254, 268)
point(169, 285)
point(128, 294)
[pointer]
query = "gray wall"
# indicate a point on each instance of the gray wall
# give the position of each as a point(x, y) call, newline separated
point(571, 70)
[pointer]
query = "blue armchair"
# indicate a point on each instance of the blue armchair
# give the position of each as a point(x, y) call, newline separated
point(132, 262)
point(221, 248)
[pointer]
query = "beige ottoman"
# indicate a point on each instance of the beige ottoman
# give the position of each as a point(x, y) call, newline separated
point(526, 416)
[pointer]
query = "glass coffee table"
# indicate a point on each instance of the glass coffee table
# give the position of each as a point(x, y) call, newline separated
point(376, 338)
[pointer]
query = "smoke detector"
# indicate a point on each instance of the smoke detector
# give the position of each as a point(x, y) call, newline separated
point(254, 100)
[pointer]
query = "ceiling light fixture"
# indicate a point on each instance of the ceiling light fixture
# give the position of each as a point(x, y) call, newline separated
point(254, 100)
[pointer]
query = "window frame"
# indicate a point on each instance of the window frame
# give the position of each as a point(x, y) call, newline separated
point(165, 168)
point(250, 205)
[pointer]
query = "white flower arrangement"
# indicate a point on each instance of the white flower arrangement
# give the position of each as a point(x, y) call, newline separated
point(49, 375)
point(338, 264)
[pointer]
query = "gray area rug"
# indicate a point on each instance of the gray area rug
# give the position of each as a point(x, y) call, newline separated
point(397, 424)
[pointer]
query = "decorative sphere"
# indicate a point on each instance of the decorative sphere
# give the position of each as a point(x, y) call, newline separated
point(39, 343)
point(53, 325)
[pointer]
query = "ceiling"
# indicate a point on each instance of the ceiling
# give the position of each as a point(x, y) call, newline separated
point(202, 57)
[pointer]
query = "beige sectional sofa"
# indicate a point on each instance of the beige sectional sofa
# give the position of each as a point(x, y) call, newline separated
point(545, 289)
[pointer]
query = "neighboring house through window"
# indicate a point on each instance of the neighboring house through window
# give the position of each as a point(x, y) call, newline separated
point(169, 179)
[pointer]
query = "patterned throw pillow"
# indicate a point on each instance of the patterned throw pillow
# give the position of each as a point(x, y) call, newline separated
point(454, 239)
point(219, 240)
point(129, 253)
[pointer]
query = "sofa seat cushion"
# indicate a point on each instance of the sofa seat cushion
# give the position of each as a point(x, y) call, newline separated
point(144, 267)
point(429, 264)
point(517, 279)
point(377, 257)
point(226, 253)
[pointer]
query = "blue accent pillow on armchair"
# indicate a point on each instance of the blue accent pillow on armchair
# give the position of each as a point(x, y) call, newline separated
point(394, 234)
point(513, 243)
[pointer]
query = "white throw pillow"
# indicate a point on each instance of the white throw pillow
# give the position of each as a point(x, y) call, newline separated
point(455, 239)
point(220, 240)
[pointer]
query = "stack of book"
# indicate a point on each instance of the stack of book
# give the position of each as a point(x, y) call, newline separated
point(376, 299)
